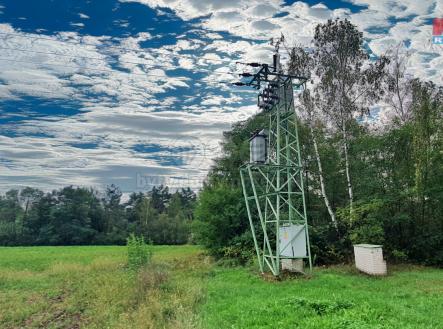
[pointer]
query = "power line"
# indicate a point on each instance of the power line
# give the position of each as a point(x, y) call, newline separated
point(108, 46)
point(91, 69)
point(113, 71)
point(226, 83)
point(81, 96)
point(119, 61)
point(83, 68)
point(86, 96)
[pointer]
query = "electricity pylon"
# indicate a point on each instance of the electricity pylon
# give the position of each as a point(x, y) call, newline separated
point(273, 188)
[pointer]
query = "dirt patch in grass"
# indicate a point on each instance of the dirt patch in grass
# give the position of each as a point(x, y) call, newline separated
point(56, 315)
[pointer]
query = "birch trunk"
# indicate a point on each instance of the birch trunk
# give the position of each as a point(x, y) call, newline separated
point(348, 175)
point(322, 182)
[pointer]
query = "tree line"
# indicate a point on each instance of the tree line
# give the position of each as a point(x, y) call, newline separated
point(84, 216)
point(365, 183)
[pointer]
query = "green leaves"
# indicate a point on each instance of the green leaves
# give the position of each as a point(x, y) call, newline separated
point(321, 307)
point(220, 218)
point(139, 253)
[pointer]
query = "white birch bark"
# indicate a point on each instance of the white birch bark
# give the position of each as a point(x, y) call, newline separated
point(322, 182)
point(348, 174)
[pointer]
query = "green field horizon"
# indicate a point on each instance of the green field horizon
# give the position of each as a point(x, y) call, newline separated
point(91, 287)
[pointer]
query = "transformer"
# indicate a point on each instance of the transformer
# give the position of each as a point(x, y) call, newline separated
point(258, 147)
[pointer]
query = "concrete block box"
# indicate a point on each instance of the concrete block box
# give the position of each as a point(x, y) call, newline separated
point(369, 259)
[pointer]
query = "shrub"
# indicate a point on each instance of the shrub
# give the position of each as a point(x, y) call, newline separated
point(221, 220)
point(139, 253)
point(365, 226)
point(399, 255)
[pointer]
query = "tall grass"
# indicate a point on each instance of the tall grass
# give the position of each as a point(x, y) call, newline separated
point(92, 288)
point(160, 299)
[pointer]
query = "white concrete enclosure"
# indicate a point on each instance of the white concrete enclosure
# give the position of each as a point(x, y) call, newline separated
point(369, 259)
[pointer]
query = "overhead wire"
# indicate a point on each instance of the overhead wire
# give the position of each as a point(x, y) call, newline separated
point(109, 47)
point(79, 95)
point(84, 95)
point(91, 69)
point(86, 68)
point(118, 61)
point(143, 51)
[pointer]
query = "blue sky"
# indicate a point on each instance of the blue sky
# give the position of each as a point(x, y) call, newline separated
point(136, 93)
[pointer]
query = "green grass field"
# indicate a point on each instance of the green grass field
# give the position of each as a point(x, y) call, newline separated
point(90, 287)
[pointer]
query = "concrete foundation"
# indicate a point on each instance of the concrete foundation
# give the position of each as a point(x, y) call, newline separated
point(292, 265)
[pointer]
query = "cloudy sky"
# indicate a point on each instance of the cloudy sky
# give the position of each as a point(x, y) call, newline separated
point(137, 92)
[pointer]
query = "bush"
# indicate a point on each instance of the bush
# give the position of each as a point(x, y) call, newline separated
point(329, 247)
point(221, 220)
point(399, 256)
point(365, 225)
point(139, 253)
point(241, 248)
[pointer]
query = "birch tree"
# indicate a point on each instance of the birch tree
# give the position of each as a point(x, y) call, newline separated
point(398, 85)
point(301, 64)
point(349, 82)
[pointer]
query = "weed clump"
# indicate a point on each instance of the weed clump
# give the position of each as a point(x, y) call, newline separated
point(322, 307)
point(139, 252)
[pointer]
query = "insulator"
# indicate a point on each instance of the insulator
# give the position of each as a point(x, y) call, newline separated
point(239, 84)
point(251, 64)
point(246, 74)
point(276, 62)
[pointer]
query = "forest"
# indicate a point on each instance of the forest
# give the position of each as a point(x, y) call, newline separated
point(368, 178)
point(84, 216)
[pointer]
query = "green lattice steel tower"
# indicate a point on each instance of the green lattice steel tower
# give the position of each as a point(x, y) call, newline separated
point(273, 188)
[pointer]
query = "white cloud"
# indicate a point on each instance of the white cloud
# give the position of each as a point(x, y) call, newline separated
point(77, 24)
point(400, 9)
point(186, 63)
point(263, 10)
point(189, 9)
point(116, 133)
point(47, 68)
point(263, 25)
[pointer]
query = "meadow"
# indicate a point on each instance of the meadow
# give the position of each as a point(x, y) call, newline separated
point(91, 287)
